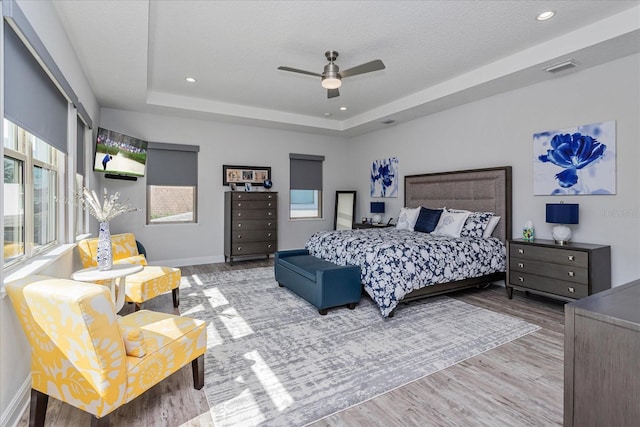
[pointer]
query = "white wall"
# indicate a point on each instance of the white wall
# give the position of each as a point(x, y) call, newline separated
point(220, 143)
point(498, 131)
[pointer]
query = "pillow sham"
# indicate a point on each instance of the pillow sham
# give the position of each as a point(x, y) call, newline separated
point(475, 224)
point(491, 226)
point(407, 219)
point(427, 220)
point(450, 223)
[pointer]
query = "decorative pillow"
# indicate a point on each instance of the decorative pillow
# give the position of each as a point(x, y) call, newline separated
point(475, 224)
point(450, 223)
point(427, 220)
point(491, 226)
point(133, 341)
point(408, 218)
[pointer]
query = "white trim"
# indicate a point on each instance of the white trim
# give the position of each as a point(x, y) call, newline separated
point(18, 405)
point(188, 261)
point(36, 264)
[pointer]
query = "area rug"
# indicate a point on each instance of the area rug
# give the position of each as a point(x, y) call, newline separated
point(272, 360)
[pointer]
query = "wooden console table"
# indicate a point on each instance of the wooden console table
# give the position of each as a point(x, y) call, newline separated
point(602, 358)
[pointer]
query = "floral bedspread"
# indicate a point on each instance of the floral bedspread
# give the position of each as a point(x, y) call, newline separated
point(395, 262)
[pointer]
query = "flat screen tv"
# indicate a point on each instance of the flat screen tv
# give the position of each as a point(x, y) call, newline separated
point(119, 155)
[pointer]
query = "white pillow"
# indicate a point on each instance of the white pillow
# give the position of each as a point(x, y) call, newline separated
point(490, 227)
point(408, 218)
point(450, 223)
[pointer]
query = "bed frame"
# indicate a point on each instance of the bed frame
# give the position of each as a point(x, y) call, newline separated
point(485, 190)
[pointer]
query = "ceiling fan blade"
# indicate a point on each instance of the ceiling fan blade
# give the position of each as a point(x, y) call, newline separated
point(363, 68)
point(333, 93)
point(295, 70)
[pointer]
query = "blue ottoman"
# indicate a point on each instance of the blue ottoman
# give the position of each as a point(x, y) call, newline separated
point(322, 283)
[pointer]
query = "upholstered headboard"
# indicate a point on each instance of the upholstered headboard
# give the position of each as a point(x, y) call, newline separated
point(485, 190)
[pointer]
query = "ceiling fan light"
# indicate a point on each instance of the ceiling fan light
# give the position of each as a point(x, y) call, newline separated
point(331, 82)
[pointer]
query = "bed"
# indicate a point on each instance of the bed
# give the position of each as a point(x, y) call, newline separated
point(394, 266)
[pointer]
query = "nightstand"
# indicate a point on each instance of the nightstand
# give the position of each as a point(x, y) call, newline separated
point(361, 225)
point(567, 272)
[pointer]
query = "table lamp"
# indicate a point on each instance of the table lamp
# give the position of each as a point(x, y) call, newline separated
point(377, 208)
point(562, 214)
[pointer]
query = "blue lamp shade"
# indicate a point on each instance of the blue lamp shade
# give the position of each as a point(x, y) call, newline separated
point(377, 207)
point(562, 213)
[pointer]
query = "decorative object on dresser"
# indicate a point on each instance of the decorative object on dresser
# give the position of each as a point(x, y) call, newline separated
point(250, 224)
point(601, 358)
point(377, 208)
point(567, 272)
point(562, 214)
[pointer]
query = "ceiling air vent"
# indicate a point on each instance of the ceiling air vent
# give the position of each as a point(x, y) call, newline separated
point(388, 122)
point(561, 66)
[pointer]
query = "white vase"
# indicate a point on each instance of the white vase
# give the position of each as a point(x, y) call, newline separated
point(105, 256)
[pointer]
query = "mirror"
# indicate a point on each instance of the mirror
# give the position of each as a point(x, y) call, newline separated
point(345, 210)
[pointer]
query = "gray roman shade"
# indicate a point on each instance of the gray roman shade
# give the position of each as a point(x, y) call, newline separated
point(80, 147)
point(172, 164)
point(305, 172)
point(32, 100)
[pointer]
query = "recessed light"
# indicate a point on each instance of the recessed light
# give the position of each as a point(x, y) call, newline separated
point(343, 108)
point(190, 79)
point(327, 114)
point(545, 15)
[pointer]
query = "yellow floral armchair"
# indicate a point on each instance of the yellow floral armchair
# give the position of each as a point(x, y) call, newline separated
point(83, 354)
point(140, 287)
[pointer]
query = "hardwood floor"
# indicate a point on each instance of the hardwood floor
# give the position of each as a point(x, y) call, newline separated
point(517, 384)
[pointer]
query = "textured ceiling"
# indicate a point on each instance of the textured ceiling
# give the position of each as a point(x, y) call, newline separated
point(438, 54)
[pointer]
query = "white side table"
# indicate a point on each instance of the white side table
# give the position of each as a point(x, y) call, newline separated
point(118, 271)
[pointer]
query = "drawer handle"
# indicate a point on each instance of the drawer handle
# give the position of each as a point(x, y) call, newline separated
point(239, 204)
point(269, 214)
point(239, 248)
point(269, 235)
point(239, 196)
point(269, 197)
point(521, 279)
point(239, 225)
point(269, 246)
point(269, 204)
point(571, 274)
point(520, 251)
point(269, 224)
point(239, 213)
point(571, 289)
point(521, 265)
point(571, 258)
point(239, 236)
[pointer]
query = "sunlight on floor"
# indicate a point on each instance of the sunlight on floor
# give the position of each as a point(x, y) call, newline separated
point(216, 299)
point(235, 324)
point(246, 411)
point(274, 388)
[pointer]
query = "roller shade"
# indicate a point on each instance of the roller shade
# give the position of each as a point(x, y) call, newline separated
point(32, 100)
point(172, 164)
point(305, 172)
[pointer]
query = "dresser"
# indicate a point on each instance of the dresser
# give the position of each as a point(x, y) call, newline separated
point(567, 272)
point(602, 359)
point(250, 224)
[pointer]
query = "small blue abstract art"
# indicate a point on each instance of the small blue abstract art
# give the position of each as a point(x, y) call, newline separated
point(575, 161)
point(384, 178)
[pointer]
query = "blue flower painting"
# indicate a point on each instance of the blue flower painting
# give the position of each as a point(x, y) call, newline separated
point(384, 178)
point(578, 160)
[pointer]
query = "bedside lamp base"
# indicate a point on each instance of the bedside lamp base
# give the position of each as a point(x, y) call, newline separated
point(561, 234)
point(377, 219)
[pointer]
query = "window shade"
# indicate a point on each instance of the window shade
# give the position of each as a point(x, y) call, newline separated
point(80, 148)
point(172, 164)
point(305, 172)
point(32, 100)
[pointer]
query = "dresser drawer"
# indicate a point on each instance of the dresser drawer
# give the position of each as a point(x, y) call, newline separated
point(546, 284)
point(570, 273)
point(252, 225)
point(253, 204)
point(254, 214)
point(253, 236)
point(554, 255)
point(238, 195)
point(253, 248)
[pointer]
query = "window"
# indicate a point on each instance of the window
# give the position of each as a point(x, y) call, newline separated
point(30, 192)
point(79, 227)
point(305, 183)
point(172, 182)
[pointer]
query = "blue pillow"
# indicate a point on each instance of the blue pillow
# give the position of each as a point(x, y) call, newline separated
point(427, 220)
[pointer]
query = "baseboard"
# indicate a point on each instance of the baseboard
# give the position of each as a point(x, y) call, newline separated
point(17, 406)
point(188, 261)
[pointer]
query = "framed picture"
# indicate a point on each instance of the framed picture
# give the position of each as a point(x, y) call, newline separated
point(241, 175)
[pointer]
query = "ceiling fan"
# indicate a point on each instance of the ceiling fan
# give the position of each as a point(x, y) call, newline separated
point(332, 77)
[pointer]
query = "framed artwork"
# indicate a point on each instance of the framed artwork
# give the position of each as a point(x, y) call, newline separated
point(241, 175)
point(575, 161)
point(384, 178)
